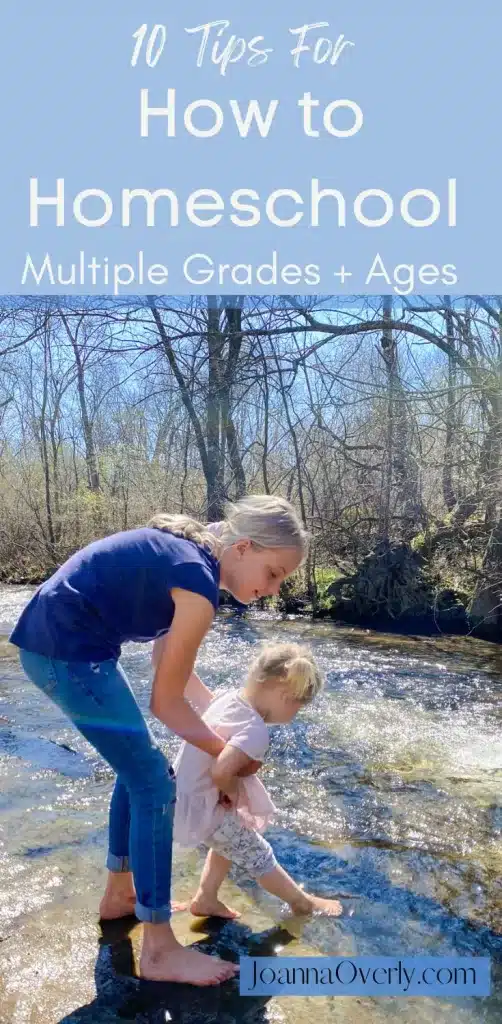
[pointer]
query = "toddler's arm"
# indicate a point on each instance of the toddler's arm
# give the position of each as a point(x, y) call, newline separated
point(250, 769)
point(231, 765)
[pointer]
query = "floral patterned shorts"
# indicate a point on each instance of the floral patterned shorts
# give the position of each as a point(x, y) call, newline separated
point(243, 846)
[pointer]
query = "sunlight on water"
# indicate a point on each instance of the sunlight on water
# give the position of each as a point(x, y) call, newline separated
point(389, 789)
point(415, 742)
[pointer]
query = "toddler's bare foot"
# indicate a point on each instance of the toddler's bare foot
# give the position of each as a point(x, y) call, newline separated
point(179, 905)
point(312, 904)
point(205, 906)
point(186, 966)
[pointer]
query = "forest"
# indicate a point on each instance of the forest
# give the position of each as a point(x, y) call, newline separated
point(379, 417)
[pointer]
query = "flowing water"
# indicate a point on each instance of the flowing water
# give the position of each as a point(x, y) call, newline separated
point(389, 789)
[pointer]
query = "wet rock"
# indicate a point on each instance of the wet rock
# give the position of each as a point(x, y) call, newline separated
point(42, 753)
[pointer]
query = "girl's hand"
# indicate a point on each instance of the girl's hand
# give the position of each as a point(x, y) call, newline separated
point(229, 789)
point(227, 768)
point(225, 801)
point(250, 769)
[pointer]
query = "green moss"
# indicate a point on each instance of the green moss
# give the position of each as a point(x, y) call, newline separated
point(418, 542)
point(325, 577)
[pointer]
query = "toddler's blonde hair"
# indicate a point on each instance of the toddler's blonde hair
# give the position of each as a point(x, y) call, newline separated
point(293, 664)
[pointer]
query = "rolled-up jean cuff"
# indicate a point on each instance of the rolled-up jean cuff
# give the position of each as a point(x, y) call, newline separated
point(151, 916)
point(114, 863)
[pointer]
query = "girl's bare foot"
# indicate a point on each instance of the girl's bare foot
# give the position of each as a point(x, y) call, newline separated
point(119, 899)
point(205, 906)
point(111, 909)
point(164, 959)
point(317, 904)
point(186, 966)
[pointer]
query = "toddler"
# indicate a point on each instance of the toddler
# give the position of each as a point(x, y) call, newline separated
point(219, 806)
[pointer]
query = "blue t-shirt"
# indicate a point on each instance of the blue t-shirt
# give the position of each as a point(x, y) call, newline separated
point(114, 590)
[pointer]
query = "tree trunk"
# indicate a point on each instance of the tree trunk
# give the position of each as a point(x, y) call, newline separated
point(234, 326)
point(486, 606)
point(184, 390)
point(388, 351)
point(450, 498)
point(215, 475)
point(485, 610)
point(401, 468)
point(44, 451)
point(87, 426)
point(266, 417)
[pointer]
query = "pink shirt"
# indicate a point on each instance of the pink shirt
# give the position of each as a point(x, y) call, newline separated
point(198, 812)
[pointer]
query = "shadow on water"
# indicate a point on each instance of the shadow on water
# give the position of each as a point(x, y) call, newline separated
point(121, 996)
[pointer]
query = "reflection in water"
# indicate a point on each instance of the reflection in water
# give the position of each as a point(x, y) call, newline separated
point(389, 788)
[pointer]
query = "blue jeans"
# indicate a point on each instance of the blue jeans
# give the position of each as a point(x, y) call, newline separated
point(98, 699)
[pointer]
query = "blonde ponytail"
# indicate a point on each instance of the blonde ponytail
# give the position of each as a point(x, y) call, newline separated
point(190, 529)
point(303, 677)
point(293, 664)
point(266, 520)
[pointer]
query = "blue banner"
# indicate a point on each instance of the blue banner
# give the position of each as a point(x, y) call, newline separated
point(260, 148)
point(365, 975)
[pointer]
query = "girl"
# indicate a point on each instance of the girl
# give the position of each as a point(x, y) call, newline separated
point(282, 679)
point(138, 585)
